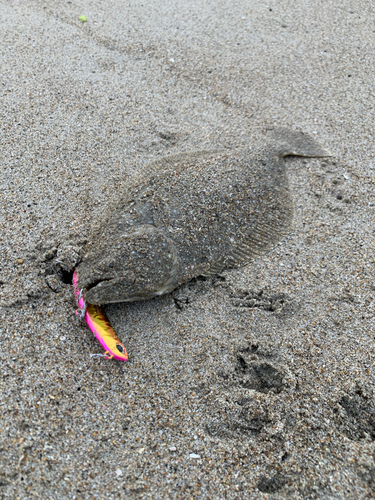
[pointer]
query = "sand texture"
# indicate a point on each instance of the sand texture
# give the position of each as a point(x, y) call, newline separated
point(253, 383)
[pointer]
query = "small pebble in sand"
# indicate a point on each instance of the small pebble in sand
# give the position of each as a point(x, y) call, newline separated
point(54, 283)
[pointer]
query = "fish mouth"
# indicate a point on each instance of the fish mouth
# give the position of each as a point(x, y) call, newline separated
point(96, 292)
point(93, 291)
point(96, 283)
point(93, 286)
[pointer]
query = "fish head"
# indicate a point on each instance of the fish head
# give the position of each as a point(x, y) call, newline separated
point(136, 266)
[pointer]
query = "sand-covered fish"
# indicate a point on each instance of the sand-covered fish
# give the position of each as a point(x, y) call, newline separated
point(191, 214)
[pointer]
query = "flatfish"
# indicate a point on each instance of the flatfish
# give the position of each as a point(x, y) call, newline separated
point(192, 214)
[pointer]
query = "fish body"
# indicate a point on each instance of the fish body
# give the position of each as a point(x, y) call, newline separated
point(191, 214)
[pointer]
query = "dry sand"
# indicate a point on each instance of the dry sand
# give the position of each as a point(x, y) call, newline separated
point(258, 383)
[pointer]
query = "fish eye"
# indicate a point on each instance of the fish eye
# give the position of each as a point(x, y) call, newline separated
point(120, 348)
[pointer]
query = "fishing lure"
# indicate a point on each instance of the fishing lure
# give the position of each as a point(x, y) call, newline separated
point(99, 325)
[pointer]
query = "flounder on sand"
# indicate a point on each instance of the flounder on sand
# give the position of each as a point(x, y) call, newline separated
point(191, 214)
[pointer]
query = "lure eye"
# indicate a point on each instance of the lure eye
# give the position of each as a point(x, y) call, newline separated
point(120, 348)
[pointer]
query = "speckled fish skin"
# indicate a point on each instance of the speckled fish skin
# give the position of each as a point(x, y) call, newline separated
point(192, 214)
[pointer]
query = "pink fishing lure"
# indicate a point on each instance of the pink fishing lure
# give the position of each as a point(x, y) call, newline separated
point(99, 325)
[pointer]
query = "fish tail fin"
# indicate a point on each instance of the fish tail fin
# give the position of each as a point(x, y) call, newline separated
point(297, 143)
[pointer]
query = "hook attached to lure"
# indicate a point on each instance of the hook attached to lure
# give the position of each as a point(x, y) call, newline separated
point(99, 325)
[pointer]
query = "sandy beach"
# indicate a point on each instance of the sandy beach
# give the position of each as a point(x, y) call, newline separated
point(257, 383)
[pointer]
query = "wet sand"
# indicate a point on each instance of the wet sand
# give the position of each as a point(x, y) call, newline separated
point(256, 383)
